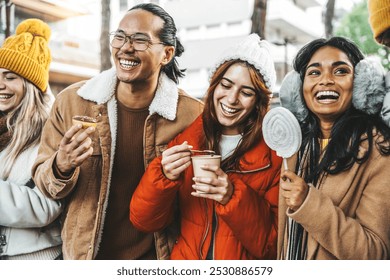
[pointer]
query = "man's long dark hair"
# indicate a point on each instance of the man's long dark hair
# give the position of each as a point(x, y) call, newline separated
point(251, 125)
point(167, 35)
point(349, 130)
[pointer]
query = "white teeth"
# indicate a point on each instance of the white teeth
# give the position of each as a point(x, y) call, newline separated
point(228, 110)
point(5, 96)
point(327, 94)
point(128, 63)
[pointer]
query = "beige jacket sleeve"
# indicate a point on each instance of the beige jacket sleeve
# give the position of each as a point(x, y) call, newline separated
point(43, 168)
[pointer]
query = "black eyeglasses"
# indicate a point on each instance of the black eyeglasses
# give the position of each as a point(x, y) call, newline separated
point(139, 42)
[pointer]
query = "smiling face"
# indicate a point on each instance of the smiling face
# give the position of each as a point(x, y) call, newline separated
point(328, 83)
point(234, 98)
point(11, 90)
point(132, 65)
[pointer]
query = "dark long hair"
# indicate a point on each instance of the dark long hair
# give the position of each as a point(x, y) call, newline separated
point(251, 125)
point(349, 130)
point(167, 35)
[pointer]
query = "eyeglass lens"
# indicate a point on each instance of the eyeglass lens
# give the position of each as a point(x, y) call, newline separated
point(139, 42)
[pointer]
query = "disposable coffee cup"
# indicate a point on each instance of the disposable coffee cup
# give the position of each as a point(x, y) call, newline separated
point(85, 121)
point(200, 160)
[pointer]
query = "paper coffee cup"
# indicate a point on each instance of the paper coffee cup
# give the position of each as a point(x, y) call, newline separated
point(200, 160)
point(85, 121)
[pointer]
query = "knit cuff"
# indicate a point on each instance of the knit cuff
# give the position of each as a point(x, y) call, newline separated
point(46, 254)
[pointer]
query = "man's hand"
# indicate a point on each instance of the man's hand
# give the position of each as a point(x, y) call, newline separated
point(75, 147)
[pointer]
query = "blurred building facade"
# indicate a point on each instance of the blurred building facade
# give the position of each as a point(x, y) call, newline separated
point(205, 28)
point(74, 40)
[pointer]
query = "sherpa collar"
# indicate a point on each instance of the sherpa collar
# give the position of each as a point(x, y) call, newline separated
point(101, 89)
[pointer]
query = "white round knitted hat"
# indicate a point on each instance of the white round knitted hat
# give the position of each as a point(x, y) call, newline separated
point(254, 51)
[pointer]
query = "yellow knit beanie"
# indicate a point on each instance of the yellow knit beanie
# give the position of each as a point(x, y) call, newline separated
point(379, 11)
point(27, 53)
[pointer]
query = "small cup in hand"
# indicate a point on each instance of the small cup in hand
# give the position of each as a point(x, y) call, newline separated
point(200, 160)
point(85, 121)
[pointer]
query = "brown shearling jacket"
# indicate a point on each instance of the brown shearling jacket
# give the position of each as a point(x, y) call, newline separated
point(86, 192)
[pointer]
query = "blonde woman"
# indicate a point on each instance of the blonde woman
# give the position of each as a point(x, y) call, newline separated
point(28, 220)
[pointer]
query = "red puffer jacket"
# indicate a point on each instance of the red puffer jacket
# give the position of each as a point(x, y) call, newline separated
point(246, 227)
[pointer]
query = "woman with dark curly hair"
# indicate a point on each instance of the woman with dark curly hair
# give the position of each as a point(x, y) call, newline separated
point(335, 198)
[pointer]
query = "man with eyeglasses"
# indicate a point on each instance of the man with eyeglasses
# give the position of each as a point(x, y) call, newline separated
point(135, 109)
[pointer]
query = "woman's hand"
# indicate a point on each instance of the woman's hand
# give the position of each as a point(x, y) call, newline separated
point(75, 147)
point(294, 189)
point(219, 189)
point(175, 160)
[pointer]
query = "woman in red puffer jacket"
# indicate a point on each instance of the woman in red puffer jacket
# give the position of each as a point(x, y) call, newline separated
point(232, 216)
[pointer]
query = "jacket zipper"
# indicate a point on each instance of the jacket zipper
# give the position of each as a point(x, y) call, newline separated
point(206, 231)
point(215, 231)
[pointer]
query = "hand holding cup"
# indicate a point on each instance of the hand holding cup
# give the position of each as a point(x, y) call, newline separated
point(210, 180)
point(200, 161)
point(76, 145)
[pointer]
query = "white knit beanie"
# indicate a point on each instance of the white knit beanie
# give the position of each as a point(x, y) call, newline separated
point(254, 51)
